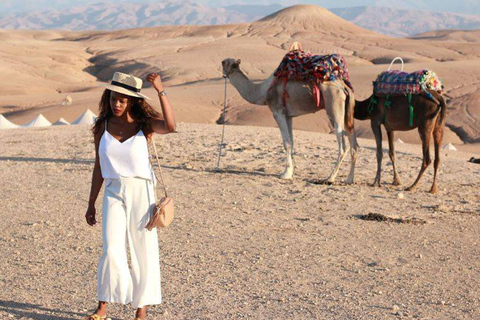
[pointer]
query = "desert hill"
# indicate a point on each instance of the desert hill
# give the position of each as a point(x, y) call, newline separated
point(398, 21)
point(406, 22)
point(470, 36)
point(43, 66)
point(104, 16)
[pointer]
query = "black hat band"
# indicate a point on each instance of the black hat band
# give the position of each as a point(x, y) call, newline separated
point(125, 86)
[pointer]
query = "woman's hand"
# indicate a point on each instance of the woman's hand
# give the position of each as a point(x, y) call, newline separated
point(90, 216)
point(156, 81)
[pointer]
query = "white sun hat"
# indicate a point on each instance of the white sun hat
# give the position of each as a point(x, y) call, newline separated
point(126, 84)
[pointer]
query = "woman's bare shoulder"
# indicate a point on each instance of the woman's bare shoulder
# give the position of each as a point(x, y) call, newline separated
point(98, 133)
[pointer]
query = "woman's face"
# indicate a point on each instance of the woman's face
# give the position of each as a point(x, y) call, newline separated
point(120, 103)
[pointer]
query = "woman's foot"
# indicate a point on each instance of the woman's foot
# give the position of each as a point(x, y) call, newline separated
point(100, 312)
point(141, 313)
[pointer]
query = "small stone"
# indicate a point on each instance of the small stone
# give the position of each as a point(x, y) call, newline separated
point(395, 308)
point(401, 195)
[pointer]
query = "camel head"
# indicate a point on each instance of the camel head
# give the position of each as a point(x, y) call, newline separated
point(229, 65)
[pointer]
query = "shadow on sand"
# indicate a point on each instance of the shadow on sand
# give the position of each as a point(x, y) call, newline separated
point(52, 160)
point(35, 311)
point(172, 167)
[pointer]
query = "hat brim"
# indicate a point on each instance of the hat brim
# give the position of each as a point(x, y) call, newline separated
point(124, 91)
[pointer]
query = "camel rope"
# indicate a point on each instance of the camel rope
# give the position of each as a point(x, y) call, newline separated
point(222, 145)
point(391, 63)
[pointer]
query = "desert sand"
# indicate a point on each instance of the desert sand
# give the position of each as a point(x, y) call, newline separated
point(245, 244)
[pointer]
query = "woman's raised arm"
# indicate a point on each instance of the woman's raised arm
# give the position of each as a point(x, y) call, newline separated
point(167, 125)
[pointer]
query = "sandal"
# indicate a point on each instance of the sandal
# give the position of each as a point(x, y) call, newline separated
point(96, 317)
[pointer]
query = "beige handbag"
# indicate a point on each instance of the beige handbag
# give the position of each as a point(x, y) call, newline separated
point(163, 211)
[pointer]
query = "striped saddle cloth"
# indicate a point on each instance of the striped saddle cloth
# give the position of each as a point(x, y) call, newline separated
point(299, 65)
point(396, 82)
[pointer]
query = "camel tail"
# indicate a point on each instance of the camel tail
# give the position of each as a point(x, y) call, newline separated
point(349, 109)
point(443, 111)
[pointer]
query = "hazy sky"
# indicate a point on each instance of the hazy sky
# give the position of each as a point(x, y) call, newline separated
point(465, 6)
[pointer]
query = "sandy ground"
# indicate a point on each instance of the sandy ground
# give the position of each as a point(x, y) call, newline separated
point(245, 244)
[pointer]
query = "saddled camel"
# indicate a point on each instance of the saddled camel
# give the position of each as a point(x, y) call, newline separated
point(429, 119)
point(337, 98)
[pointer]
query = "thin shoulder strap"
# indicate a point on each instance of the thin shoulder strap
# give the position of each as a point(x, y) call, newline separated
point(105, 124)
point(161, 180)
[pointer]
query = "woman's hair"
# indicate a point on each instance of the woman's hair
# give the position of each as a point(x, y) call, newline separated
point(140, 111)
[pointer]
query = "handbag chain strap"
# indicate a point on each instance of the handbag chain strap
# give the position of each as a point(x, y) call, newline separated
point(161, 180)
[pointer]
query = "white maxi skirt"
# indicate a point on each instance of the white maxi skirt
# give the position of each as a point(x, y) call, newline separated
point(127, 206)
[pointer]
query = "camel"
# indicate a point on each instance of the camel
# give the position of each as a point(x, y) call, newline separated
point(429, 119)
point(336, 96)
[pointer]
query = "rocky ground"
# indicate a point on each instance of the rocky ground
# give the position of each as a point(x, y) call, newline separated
point(245, 244)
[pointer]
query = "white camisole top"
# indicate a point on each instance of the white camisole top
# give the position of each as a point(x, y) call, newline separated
point(128, 159)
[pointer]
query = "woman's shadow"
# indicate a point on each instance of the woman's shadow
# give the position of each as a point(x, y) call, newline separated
point(35, 311)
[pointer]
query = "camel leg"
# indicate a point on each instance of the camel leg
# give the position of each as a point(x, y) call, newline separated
point(342, 151)
point(391, 153)
point(437, 140)
point(425, 134)
point(337, 116)
point(290, 131)
point(377, 132)
point(282, 121)
point(353, 152)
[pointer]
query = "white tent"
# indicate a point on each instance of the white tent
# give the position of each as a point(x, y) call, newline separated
point(5, 124)
point(88, 117)
point(61, 122)
point(449, 147)
point(39, 121)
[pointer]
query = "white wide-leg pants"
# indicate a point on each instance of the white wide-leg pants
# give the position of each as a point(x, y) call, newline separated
point(127, 206)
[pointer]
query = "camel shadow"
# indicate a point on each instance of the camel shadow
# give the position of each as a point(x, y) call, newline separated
point(35, 311)
point(52, 160)
point(171, 167)
point(241, 172)
point(386, 150)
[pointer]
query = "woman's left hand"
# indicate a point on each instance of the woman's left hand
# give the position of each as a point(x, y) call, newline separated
point(156, 81)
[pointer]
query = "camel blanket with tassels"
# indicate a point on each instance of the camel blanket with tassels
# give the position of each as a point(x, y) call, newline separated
point(396, 82)
point(299, 65)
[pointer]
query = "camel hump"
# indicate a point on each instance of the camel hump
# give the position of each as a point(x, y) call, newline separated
point(296, 46)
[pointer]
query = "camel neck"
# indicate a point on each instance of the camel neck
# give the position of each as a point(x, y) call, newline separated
point(361, 109)
point(254, 93)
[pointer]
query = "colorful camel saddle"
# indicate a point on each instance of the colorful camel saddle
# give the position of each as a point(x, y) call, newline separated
point(299, 65)
point(396, 82)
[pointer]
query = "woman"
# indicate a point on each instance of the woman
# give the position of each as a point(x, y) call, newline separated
point(121, 131)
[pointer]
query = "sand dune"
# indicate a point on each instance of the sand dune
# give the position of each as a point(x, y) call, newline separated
point(44, 66)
